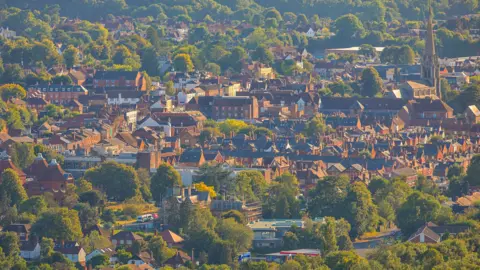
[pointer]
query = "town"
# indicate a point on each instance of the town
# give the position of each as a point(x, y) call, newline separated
point(216, 135)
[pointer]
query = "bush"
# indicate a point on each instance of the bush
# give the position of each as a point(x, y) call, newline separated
point(132, 210)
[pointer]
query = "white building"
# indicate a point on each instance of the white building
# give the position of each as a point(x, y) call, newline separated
point(29, 250)
point(125, 98)
point(7, 33)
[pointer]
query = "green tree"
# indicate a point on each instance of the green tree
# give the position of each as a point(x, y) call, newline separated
point(13, 187)
point(118, 181)
point(34, 205)
point(160, 250)
point(22, 154)
point(231, 126)
point(165, 178)
point(170, 89)
point(123, 256)
point(315, 126)
point(329, 236)
point(362, 212)
point(122, 53)
point(263, 55)
point(345, 260)
point(221, 252)
point(9, 91)
point(473, 171)
point(281, 199)
point(348, 26)
point(398, 55)
point(274, 14)
point(416, 211)
point(302, 20)
point(58, 223)
point(213, 68)
point(198, 34)
point(70, 56)
point(13, 74)
point(367, 50)
point(183, 62)
point(271, 23)
point(88, 215)
point(46, 248)
point(99, 260)
point(238, 234)
point(327, 199)
point(235, 215)
point(62, 79)
point(149, 57)
point(371, 82)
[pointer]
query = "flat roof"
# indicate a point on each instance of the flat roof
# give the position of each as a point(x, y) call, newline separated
point(378, 49)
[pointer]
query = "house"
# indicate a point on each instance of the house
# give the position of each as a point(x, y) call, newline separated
point(22, 230)
point(78, 77)
point(58, 93)
point(37, 103)
point(124, 238)
point(124, 98)
point(105, 81)
point(103, 251)
point(409, 173)
point(6, 33)
point(432, 233)
point(235, 108)
point(46, 177)
point(472, 114)
point(172, 239)
point(179, 260)
point(143, 258)
point(72, 251)
point(269, 233)
point(192, 158)
point(30, 250)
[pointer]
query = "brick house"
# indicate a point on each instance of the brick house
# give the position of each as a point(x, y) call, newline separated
point(59, 94)
point(235, 108)
point(104, 81)
point(46, 177)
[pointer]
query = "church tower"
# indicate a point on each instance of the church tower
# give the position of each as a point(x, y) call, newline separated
point(430, 69)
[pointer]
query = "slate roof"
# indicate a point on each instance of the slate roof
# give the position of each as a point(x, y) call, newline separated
point(191, 156)
point(115, 75)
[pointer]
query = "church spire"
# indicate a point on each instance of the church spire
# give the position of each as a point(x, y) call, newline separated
point(430, 42)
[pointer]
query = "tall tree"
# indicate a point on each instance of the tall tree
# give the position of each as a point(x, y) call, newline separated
point(70, 56)
point(328, 197)
point(416, 211)
point(118, 181)
point(329, 236)
point(8, 91)
point(165, 178)
point(263, 55)
point(349, 26)
point(372, 84)
point(58, 223)
point(362, 212)
point(160, 251)
point(13, 187)
point(183, 62)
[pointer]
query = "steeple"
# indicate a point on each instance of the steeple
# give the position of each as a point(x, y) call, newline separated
point(430, 69)
point(430, 42)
